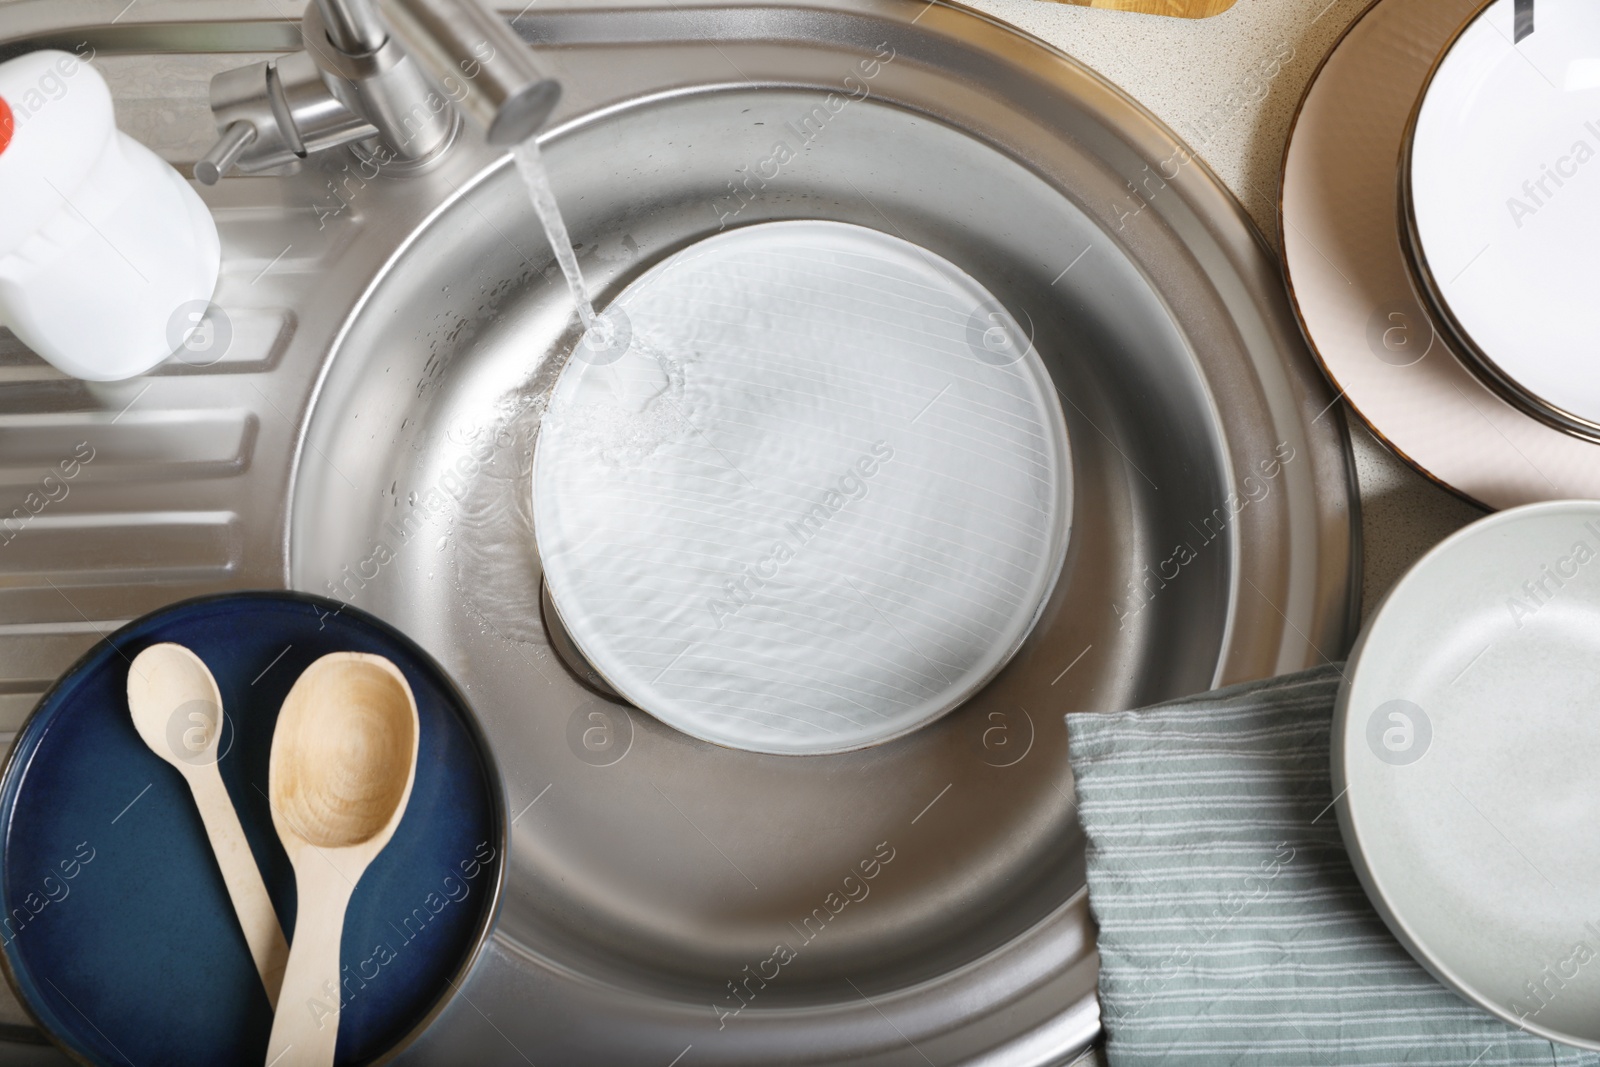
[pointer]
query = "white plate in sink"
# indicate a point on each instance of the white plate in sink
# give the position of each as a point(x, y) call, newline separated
point(814, 498)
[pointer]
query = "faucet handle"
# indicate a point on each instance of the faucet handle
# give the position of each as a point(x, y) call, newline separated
point(275, 113)
point(225, 153)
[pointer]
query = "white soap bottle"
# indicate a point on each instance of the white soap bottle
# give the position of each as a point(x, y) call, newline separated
point(108, 258)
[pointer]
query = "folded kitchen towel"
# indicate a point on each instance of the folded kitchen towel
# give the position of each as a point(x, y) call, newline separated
point(1232, 927)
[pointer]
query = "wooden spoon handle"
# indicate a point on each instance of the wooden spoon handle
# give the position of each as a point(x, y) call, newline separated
point(305, 1031)
point(240, 874)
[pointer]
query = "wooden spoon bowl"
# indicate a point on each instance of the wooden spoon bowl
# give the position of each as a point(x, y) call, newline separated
point(344, 757)
point(341, 755)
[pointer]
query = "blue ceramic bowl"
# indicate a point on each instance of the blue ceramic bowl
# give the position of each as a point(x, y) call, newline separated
point(117, 932)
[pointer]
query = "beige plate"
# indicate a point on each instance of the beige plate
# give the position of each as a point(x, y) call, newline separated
point(1346, 266)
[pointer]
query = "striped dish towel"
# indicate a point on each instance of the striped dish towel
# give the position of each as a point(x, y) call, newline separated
point(1232, 927)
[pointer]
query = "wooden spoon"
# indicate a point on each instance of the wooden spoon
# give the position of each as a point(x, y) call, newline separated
point(177, 709)
point(344, 756)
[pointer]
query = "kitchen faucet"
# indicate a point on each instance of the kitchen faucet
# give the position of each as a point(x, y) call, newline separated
point(388, 77)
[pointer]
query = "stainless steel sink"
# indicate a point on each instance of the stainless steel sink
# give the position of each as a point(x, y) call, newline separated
point(369, 435)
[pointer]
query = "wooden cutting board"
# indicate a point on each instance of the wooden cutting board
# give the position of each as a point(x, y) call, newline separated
point(1183, 9)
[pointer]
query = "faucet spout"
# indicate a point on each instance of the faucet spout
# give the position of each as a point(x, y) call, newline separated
point(472, 51)
point(353, 26)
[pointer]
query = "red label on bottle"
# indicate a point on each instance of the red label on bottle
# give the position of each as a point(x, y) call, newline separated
point(7, 124)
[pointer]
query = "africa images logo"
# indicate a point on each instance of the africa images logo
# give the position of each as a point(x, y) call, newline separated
point(1399, 732)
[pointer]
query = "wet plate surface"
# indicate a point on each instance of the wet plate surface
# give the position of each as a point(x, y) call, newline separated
point(810, 496)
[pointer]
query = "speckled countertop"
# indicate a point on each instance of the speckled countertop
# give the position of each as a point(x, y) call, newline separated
point(1230, 85)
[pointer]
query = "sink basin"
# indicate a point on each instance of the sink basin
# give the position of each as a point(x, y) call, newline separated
point(369, 436)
